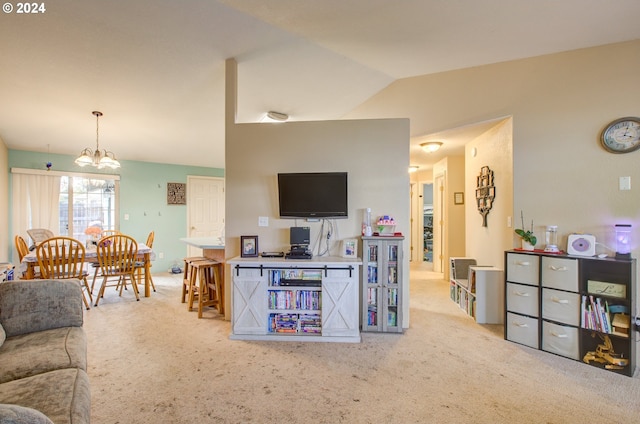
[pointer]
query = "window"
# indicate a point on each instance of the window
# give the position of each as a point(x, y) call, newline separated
point(89, 201)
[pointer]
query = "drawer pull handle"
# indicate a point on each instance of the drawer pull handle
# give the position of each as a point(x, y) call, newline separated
point(522, 263)
point(522, 294)
point(520, 324)
point(558, 268)
point(561, 301)
point(558, 335)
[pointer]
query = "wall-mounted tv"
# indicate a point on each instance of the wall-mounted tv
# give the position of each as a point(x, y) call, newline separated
point(313, 195)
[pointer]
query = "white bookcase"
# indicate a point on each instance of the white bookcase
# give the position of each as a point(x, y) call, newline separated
point(295, 300)
point(382, 284)
point(477, 290)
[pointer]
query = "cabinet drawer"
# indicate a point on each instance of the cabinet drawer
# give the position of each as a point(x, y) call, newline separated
point(523, 268)
point(523, 330)
point(560, 273)
point(522, 299)
point(560, 339)
point(561, 306)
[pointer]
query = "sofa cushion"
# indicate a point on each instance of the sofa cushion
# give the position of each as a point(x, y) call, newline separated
point(27, 306)
point(16, 414)
point(63, 395)
point(36, 353)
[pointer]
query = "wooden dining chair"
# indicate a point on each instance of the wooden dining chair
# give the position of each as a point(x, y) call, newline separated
point(117, 260)
point(141, 265)
point(95, 265)
point(21, 247)
point(63, 258)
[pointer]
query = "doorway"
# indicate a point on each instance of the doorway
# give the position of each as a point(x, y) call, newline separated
point(427, 223)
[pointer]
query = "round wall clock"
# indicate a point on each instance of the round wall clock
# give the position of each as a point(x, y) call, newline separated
point(621, 135)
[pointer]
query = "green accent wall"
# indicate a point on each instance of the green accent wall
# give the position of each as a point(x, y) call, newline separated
point(143, 196)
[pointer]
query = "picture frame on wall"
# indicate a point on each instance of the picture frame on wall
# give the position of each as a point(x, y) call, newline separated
point(458, 198)
point(350, 248)
point(249, 246)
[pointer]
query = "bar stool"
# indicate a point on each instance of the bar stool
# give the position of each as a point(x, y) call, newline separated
point(210, 291)
point(186, 279)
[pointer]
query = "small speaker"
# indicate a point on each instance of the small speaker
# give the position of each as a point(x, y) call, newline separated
point(581, 245)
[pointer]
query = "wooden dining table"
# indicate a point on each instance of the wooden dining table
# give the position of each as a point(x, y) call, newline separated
point(145, 253)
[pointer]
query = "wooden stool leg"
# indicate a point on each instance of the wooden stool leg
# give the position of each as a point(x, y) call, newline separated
point(210, 287)
point(192, 285)
point(185, 280)
point(219, 287)
point(202, 285)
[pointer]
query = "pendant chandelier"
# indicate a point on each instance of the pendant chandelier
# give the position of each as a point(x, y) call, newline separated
point(98, 158)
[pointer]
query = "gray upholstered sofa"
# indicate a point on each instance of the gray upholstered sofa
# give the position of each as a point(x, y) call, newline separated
point(43, 353)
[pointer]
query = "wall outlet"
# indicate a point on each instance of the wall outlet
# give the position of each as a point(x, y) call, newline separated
point(263, 221)
point(161, 255)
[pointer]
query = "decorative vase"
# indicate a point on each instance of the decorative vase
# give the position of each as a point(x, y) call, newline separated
point(526, 245)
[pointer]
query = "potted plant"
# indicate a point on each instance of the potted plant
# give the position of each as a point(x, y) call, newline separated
point(529, 239)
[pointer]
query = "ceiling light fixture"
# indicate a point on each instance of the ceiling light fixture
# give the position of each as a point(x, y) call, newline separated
point(413, 168)
point(98, 158)
point(272, 116)
point(431, 146)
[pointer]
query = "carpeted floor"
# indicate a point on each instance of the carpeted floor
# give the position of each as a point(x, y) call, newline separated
point(152, 361)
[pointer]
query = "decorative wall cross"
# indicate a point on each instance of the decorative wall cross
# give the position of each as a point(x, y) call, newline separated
point(485, 192)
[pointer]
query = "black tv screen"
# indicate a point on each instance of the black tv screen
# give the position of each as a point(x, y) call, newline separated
point(313, 195)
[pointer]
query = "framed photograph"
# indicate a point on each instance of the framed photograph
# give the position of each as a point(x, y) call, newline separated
point(350, 248)
point(458, 198)
point(249, 246)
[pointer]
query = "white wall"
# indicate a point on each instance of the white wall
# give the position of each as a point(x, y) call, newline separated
point(453, 228)
point(375, 153)
point(559, 103)
point(492, 149)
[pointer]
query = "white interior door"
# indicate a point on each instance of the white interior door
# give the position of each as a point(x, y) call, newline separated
point(205, 208)
point(438, 224)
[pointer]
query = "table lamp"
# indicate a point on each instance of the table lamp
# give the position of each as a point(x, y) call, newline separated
point(623, 241)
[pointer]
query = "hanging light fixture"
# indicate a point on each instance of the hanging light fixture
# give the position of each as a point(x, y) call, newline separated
point(98, 158)
point(431, 146)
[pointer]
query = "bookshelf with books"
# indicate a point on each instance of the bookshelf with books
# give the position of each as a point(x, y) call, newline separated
point(585, 307)
point(478, 290)
point(608, 339)
point(382, 284)
point(306, 300)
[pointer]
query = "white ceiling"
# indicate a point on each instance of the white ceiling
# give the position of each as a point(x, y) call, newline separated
point(156, 68)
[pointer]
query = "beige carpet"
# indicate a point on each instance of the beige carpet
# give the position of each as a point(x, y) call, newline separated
point(154, 362)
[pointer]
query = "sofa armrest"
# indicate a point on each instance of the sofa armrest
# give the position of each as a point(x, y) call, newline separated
point(27, 306)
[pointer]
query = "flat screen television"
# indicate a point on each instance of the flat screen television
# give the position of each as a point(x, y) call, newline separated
point(313, 195)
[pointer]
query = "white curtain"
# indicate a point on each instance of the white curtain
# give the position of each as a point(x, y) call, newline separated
point(36, 200)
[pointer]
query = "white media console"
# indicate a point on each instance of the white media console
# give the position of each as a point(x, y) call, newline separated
point(296, 300)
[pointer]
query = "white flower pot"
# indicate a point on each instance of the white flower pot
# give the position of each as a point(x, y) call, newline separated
point(526, 245)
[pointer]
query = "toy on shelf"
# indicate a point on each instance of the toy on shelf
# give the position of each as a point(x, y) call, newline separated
point(386, 225)
point(604, 354)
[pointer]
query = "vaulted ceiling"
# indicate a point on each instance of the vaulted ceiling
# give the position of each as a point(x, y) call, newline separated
point(156, 68)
